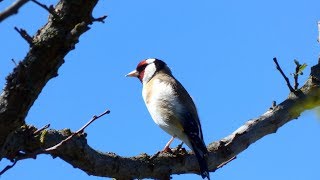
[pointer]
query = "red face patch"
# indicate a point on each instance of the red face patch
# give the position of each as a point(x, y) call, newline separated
point(140, 68)
point(142, 65)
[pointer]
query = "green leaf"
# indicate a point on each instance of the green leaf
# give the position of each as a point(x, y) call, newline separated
point(301, 68)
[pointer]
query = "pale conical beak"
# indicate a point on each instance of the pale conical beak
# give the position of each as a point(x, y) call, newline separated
point(133, 73)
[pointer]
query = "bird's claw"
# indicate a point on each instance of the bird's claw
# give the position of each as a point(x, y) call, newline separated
point(167, 150)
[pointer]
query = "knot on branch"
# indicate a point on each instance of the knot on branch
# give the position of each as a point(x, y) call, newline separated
point(22, 140)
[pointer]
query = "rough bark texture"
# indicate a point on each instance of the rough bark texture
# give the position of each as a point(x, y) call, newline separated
point(50, 45)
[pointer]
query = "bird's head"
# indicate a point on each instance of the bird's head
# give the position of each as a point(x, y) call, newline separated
point(147, 68)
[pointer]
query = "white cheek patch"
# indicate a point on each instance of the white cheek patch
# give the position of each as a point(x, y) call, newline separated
point(149, 72)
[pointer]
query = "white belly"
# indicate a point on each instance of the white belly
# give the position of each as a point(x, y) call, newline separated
point(163, 106)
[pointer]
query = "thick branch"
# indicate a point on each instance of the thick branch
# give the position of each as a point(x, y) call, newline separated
point(19, 154)
point(49, 46)
point(79, 154)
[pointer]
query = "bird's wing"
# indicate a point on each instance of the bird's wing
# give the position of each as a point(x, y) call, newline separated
point(192, 128)
point(191, 122)
point(188, 118)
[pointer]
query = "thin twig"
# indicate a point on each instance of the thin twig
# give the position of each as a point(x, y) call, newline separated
point(283, 75)
point(20, 157)
point(8, 167)
point(50, 9)
point(41, 129)
point(14, 62)
point(33, 155)
point(296, 76)
point(55, 147)
point(23, 33)
point(273, 105)
point(179, 147)
point(13, 9)
point(99, 19)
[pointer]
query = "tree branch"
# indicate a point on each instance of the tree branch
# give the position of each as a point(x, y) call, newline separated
point(283, 75)
point(50, 46)
point(50, 9)
point(20, 155)
point(80, 155)
point(11, 10)
point(55, 147)
point(23, 33)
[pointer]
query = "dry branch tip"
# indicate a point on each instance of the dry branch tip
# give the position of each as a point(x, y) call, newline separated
point(99, 19)
point(283, 75)
point(50, 9)
point(23, 33)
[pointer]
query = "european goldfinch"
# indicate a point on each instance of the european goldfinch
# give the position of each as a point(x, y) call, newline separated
point(171, 107)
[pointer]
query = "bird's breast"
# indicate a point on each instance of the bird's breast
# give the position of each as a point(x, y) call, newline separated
point(162, 103)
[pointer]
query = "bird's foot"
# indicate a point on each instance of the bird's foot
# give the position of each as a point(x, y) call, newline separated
point(179, 146)
point(167, 150)
point(174, 151)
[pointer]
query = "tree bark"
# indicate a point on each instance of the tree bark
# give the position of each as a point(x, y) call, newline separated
point(49, 46)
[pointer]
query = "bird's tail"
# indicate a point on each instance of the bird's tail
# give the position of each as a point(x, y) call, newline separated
point(201, 152)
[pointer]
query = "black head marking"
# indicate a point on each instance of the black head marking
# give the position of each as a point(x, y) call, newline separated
point(159, 64)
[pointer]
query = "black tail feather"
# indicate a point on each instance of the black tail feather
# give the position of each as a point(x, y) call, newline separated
point(201, 152)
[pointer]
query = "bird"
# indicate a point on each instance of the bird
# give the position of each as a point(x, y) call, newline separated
point(172, 108)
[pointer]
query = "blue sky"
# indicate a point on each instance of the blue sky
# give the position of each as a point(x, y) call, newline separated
point(221, 51)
